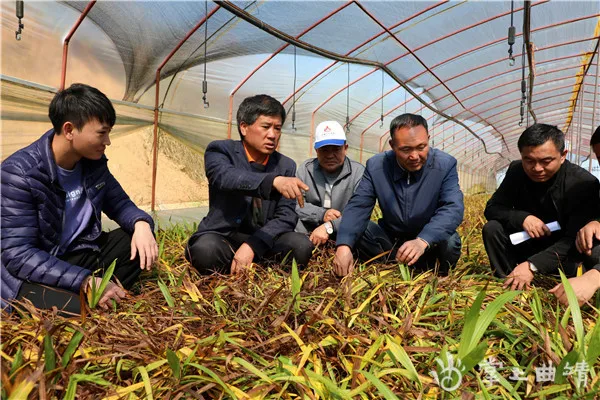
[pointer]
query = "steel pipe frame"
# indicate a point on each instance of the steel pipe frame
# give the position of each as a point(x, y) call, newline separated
point(426, 70)
point(595, 103)
point(510, 101)
point(332, 55)
point(63, 72)
point(422, 46)
point(269, 58)
point(412, 53)
point(461, 74)
point(543, 107)
point(587, 68)
point(361, 45)
point(157, 90)
point(490, 78)
point(462, 130)
point(511, 116)
point(385, 30)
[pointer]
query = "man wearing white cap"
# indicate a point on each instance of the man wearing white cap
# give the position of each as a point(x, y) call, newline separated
point(332, 178)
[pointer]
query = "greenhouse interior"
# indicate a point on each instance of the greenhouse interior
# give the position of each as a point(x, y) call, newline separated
point(358, 63)
point(479, 72)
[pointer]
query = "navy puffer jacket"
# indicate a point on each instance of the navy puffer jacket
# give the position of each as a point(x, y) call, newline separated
point(32, 218)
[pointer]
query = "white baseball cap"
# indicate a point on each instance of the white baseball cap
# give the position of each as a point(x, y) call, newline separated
point(329, 133)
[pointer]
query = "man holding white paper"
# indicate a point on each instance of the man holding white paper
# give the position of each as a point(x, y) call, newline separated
point(542, 188)
point(588, 244)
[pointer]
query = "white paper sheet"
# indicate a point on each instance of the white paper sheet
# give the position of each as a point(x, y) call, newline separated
point(520, 237)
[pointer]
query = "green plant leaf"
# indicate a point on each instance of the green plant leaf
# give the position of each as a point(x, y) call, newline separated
point(173, 360)
point(296, 286)
point(381, 387)
point(575, 312)
point(49, 355)
point(166, 294)
point(71, 348)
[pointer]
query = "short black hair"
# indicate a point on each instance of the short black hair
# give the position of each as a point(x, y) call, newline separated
point(538, 134)
point(79, 104)
point(595, 139)
point(407, 121)
point(255, 106)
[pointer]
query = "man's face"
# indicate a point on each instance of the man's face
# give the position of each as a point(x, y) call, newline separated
point(331, 158)
point(411, 146)
point(263, 135)
point(542, 162)
point(91, 140)
point(596, 149)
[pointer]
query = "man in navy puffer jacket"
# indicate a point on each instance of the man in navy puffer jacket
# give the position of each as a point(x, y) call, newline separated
point(52, 195)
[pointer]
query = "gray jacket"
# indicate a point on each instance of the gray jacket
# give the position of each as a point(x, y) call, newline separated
point(310, 172)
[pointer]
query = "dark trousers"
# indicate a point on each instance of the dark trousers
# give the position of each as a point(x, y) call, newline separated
point(113, 245)
point(212, 252)
point(504, 256)
point(376, 240)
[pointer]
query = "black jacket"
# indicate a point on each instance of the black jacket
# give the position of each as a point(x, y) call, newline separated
point(232, 183)
point(573, 195)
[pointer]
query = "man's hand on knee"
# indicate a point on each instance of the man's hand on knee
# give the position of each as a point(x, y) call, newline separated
point(242, 259)
point(144, 243)
point(290, 188)
point(586, 236)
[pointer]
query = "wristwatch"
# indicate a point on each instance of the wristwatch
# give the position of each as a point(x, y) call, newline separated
point(328, 227)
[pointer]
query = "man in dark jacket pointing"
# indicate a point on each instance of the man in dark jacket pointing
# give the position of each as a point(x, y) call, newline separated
point(252, 195)
point(53, 193)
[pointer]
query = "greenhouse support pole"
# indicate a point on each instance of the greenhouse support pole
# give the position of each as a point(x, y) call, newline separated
point(594, 105)
point(269, 58)
point(156, 96)
point(581, 106)
point(63, 72)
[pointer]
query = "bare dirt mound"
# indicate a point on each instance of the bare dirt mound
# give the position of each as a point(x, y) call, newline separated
point(130, 161)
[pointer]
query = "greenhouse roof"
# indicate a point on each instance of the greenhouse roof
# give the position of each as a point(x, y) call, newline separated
point(361, 62)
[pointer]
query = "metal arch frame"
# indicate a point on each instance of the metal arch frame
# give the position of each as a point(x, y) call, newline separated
point(474, 95)
point(471, 70)
point(363, 44)
point(496, 86)
point(466, 72)
point(385, 30)
point(489, 78)
point(157, 90)
point(269, 58)
point(586, 69)
point(427, 69)
point(511, 116)
point(511, 137)
point(443, 62)
point(471, 144)
point(228, 5)
point(63, 72)
point(243, 81)
point(512, 100)
point(412, 53)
